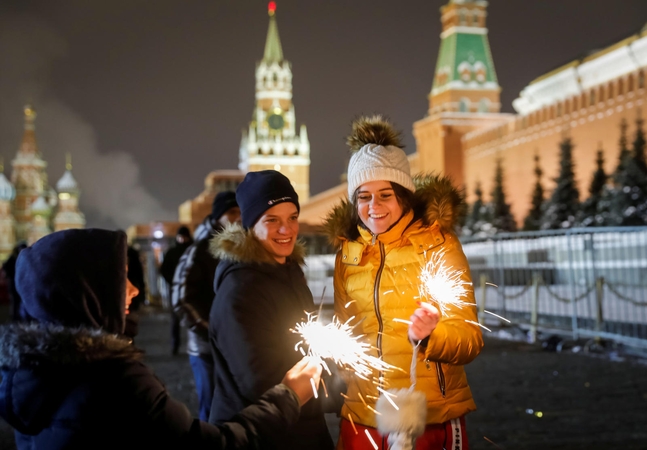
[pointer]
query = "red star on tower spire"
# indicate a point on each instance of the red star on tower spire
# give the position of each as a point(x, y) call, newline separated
point(271, 8)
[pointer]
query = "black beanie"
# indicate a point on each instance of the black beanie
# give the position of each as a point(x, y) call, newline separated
point(222, 203)
point(261, 190)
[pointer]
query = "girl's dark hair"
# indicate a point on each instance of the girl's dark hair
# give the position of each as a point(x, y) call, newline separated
point(405, 197)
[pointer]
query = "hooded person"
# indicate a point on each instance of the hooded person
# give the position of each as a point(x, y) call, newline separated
point(70, 379)
point(389, 229)
point(192, 294)
point(261, 293)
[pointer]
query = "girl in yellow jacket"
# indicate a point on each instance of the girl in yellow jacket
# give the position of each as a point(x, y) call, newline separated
point(386, 233)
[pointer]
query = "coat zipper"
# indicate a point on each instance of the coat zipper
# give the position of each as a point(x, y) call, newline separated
point(376, 303)
point(441, 377)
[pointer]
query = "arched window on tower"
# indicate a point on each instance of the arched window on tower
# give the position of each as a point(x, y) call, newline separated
point(464, 105)
point(462, 19)
point(601, 99)
point(641, 79)
point(610, 90)
point(592, 97)
point(559, 110)
point(621, 86)
point(484, 105)
point(475, 19)
point(630, 83)
point(576, 105)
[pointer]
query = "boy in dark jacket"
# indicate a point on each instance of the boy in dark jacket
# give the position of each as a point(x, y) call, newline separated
point(71, 380)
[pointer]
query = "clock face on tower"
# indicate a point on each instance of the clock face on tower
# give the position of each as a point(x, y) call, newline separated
point(275, 121)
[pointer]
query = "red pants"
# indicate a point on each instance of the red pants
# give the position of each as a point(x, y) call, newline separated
point(450, 435)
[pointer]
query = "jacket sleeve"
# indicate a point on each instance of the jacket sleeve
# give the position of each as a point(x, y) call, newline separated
point(455, 340)
point(243, 328)
point(264, 421)
point(189, 281)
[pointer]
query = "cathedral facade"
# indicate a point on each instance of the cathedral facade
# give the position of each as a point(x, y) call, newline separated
point(29, 207)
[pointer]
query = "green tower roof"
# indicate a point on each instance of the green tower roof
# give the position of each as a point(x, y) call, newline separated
point(466, 58)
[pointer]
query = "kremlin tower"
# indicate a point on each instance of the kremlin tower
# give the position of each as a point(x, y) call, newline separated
point(271, 141)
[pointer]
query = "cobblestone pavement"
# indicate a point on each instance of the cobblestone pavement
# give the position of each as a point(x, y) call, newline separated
point(527, 398)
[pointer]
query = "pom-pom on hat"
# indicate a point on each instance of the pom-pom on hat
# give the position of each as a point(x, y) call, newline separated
point(222, 203)
point(378, 155)
point(261, 190)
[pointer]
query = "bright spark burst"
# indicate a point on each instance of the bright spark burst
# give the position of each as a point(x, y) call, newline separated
point(335, 341)
point(442, 285)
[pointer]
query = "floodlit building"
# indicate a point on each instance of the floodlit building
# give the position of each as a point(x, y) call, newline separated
point(27, 203)
point(463, 132)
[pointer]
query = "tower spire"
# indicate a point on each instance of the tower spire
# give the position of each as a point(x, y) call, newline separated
point(273, 50)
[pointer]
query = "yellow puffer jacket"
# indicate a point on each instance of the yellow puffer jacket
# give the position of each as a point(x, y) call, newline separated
point(377, 280)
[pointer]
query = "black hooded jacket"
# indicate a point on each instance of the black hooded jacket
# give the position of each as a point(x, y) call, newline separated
point(258, 301)
point(71, 381)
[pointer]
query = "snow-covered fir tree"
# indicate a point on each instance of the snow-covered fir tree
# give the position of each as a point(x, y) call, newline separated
point(502, 219)
point(563, 205)
point(477, 223)
point(532, 222)
point(588, 214)
point(625, 202)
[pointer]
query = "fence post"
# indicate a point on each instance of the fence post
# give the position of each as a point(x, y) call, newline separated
point(534, 311)
point(483, 285)
point(599, 293)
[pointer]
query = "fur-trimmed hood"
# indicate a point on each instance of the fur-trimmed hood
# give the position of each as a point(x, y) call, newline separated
point(435, 199)
point(237, 244)
point(32, 344)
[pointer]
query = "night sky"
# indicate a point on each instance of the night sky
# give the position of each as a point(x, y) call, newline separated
point(150, 96)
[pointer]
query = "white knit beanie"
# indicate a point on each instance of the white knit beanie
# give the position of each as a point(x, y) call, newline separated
point(375, 162)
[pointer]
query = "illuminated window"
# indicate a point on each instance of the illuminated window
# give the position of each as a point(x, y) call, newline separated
point(464, 105)
point(484, 105)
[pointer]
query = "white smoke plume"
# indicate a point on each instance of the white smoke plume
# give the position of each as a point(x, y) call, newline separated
point(112, 195)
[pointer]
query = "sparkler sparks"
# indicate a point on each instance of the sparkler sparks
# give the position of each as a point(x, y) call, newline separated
point(335, 341)
point(442, 285)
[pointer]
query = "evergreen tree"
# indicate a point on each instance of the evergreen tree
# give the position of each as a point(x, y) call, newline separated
point(502, 219)
point(563, 205)
point(532, 221)
point(625, 204)
point(588, 215)
point(478, 221)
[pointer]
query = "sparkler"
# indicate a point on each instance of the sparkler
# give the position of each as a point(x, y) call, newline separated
point(335, 341)
point(442, 285)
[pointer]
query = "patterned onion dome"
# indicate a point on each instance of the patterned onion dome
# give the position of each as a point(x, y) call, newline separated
point(67, 183)
point(40, 207)
point(7, 191)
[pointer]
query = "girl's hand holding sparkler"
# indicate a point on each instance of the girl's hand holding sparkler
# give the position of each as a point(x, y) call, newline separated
point(303, 378)
point(423, 321)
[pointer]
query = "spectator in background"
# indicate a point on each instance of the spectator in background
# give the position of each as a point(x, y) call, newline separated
point(69, 380)
point(171, 259)
point(9, 268)
point(193, 294)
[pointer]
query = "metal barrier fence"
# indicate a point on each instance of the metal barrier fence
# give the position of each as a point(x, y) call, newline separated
point(589, 282)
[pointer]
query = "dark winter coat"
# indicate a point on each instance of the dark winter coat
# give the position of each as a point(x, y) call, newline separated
point(192, 292)
point(69, 381)
point(258, 301)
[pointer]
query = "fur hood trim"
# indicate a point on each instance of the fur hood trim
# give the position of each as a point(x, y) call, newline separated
point(435, 199)
point(238, 244)
point(34, 344)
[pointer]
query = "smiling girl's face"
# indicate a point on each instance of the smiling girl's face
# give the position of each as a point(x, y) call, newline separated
point(377, 206)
